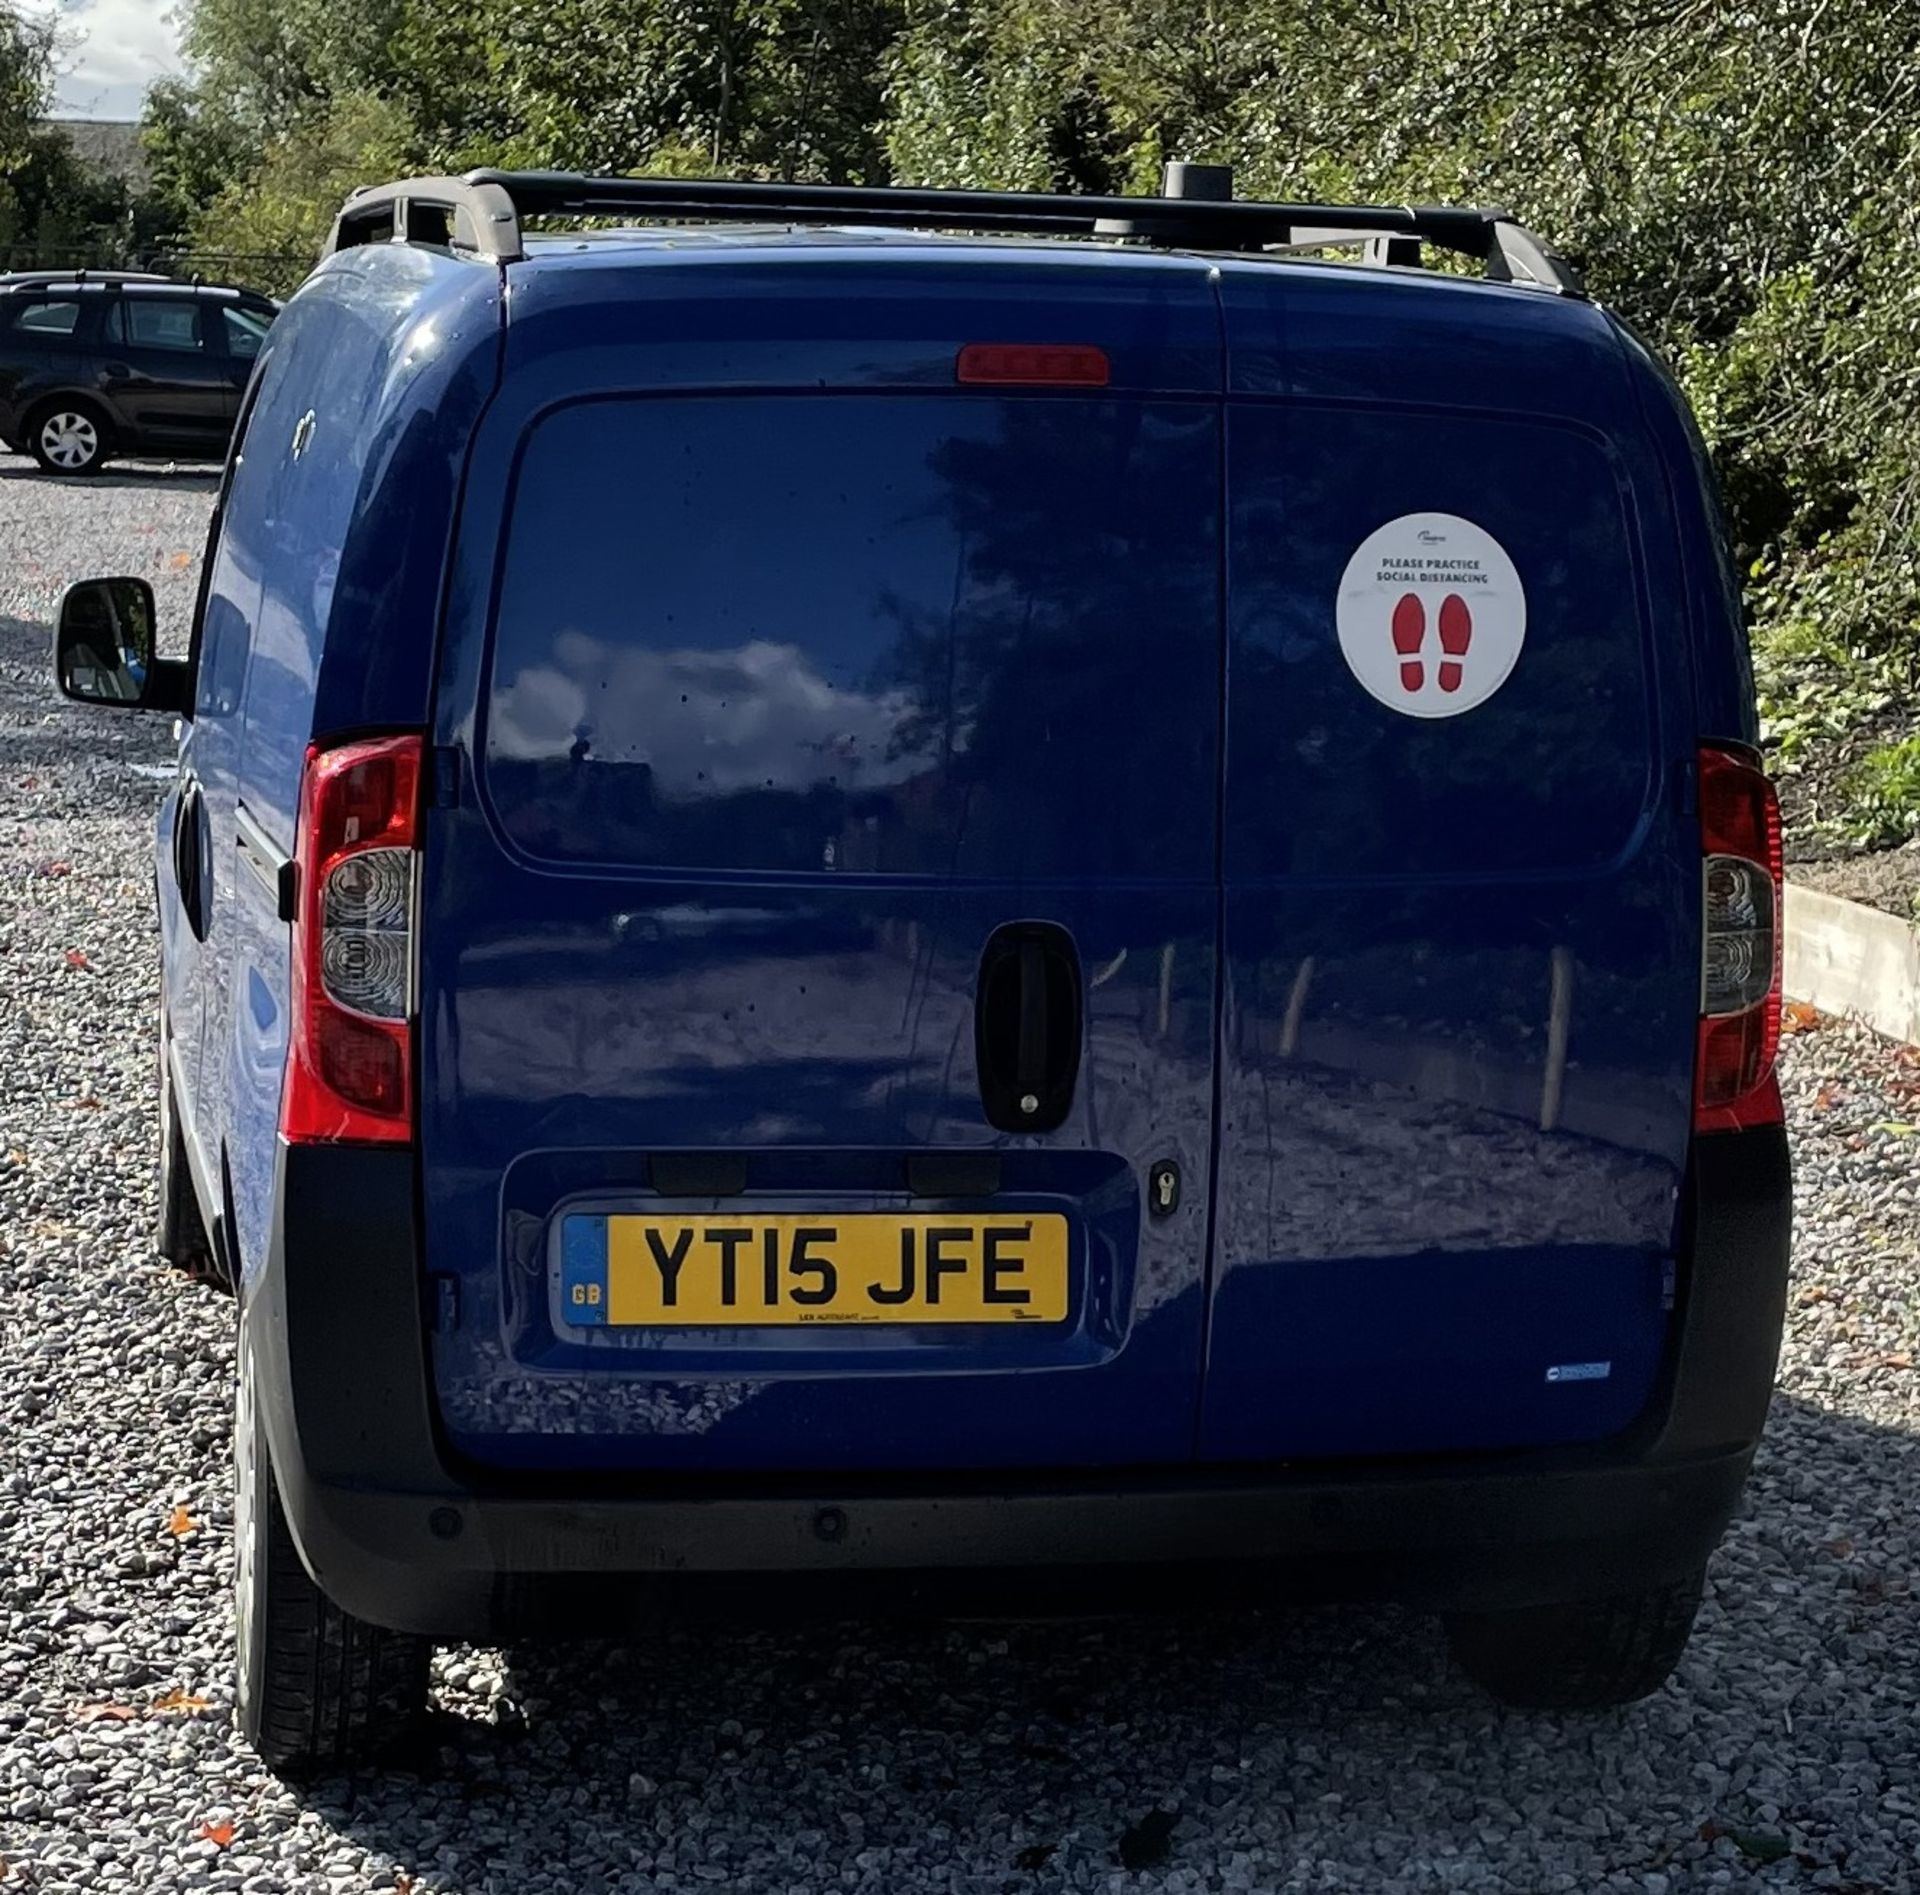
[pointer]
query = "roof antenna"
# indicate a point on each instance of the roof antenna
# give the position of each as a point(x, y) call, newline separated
point(1212, 183)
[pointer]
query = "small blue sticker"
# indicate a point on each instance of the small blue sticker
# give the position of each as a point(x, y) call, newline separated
point(583, 1271)
point(1580, 1372)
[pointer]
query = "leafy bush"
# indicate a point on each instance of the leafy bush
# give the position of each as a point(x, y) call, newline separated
point(1885, 804)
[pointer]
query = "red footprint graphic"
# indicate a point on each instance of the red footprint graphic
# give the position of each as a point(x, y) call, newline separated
point(1456, 634)
point(1409, 634)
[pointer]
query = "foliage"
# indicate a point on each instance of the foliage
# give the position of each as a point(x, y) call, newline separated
point(284, 206)
point(26, 79)
point(1884, 808)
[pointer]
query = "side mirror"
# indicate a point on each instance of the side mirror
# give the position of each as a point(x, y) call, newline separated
point(104, 649)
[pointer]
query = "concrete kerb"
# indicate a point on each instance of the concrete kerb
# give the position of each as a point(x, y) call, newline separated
point(1845, 958)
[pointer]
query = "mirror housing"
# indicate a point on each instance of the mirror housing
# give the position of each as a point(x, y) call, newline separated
point(104, 649)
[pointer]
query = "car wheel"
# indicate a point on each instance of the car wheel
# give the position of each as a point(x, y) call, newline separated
point(1586, 1656)
point(318, 1689)
point(69, 437)
point(181, 1237)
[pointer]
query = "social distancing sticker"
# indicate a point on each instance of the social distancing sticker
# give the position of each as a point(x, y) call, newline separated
point(1431, 615)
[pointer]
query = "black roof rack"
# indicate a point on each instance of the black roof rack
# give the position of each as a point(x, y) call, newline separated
point(482, 214)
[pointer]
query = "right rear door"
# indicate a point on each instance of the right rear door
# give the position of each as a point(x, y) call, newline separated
point(1459, 939)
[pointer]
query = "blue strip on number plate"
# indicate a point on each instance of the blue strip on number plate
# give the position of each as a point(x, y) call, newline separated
point(583, 1269)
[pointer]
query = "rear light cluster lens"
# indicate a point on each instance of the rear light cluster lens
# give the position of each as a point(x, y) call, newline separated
point(365, 937)
point(1742, 870)
point(350, 1065)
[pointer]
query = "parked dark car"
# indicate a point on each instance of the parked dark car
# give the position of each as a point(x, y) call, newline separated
point(99, 365)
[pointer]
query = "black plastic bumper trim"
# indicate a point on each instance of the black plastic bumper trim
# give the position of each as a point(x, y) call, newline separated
point(396, 1535)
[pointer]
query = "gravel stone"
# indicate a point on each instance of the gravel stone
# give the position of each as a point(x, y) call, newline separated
point(1305, 1750)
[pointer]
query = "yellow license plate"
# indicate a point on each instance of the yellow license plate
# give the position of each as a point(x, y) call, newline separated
point(867, 1268)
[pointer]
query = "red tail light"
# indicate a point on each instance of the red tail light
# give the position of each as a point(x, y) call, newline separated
point(1734, 1084)
point(1033, 364)
point(350, 1062)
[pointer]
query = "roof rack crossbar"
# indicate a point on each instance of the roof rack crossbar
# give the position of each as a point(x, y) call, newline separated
point(482, 214)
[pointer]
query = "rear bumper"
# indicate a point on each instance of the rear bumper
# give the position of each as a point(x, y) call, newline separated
point(395, 1533)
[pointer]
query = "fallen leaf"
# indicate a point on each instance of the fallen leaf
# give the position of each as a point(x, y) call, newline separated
point(53, 871)
point(1035, 1856)
point(88, 1104)
point(1841, 1548)
point(1826, 1098)
point(1896, 1359)
point(179, 562)
point(220, 1834)
point(105, 1714)
point(77, 957)
point(182, 1700)
point(1815, 1293)
point(1797, 1016)
point(1900, 1128)
point(403, 1884)
point(1710, 1831)
point(180, 1521)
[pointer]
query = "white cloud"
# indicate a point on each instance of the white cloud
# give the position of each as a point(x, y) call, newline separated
point(111, 51)
point(758, 716)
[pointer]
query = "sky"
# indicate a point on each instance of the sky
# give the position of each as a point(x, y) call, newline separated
point(112, 51)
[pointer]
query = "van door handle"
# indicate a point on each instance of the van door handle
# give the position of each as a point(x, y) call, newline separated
point(1028, 1026)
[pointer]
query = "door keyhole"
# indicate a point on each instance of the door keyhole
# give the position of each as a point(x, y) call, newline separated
point(1163, 1188)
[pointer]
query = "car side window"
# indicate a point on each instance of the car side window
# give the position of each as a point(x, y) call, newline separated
point(153, 323)
point(245, 331)
point(51, 318)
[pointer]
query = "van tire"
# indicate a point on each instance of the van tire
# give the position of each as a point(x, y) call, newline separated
point(86, 431)
point(319, 1690)
point(1589, 1655)
point(181, 1234)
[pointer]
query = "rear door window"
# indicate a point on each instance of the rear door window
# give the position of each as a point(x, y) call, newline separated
point(149, 322)
point(892, 634)
point(1439, 646)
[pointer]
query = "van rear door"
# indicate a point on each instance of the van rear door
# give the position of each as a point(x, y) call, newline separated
point(1461, 935)
point(819, 907)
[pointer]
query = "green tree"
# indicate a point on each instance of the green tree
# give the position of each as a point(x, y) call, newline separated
point(26, 80)
point(283, 207)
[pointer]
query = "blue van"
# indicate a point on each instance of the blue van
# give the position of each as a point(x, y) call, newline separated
point(870, 885)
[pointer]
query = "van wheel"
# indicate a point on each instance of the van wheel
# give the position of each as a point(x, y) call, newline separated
point(319, 1690)
point(182, 1234)
point(1585, 1656)
point(69, 437)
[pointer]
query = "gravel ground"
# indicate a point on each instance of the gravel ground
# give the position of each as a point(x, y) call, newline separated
point(1313, 1750)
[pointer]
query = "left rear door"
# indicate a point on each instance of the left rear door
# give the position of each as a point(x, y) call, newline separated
point(763, 714)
